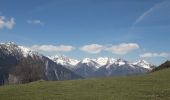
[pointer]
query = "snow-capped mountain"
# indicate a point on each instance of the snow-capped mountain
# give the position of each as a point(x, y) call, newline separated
point(11, 48)
point(98, 62)
point(122, 68)
point(65, 61)
point(90, 62)
point(104, 66)
point(18, 64)
point(86, 67)
point(144, 64)
point(104, 60)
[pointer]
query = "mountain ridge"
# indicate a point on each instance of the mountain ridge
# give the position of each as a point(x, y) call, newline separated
point(163, 66)
point(102, 66)
point(104, 61)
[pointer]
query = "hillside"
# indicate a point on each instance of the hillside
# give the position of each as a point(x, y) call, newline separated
point(154, 86)
point(162, 66)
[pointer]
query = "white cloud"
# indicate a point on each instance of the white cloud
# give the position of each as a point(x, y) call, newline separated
point(38, 22)
point(123, 48)
point(6, 23)
point(151, 55)
point(92, 48)
point(52, 48)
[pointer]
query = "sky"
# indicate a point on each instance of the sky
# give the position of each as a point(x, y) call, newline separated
point(127, 29)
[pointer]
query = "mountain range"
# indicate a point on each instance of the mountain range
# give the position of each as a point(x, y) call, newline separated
point(19, 64)
point(103, 66)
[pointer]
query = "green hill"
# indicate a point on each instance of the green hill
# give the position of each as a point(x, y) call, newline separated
point(162, 66)
point(154, 86)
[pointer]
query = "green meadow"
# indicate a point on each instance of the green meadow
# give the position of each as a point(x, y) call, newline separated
point(153, 86)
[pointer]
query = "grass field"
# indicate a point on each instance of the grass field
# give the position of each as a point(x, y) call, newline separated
point(155, 86)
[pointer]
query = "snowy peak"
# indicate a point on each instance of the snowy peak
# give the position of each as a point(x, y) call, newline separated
point(63, 60)
point(12, 48)
point(120, 62)
point(86, 60)
point(89, 62)
point(104, 60)
point(98, 62)
point(108, 61)
point(143, 63)
point(9, 45)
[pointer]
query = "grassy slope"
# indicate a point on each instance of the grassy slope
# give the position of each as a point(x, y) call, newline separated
point(155, 86)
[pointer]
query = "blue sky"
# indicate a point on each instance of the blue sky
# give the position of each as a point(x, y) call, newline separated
point(128, 29)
